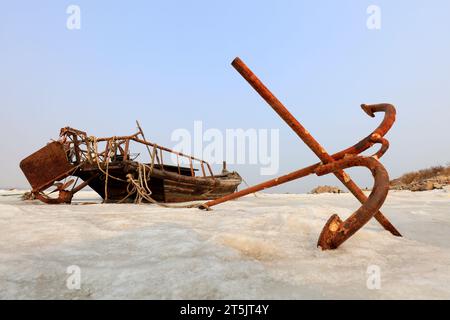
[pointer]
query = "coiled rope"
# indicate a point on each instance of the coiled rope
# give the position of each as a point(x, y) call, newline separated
point(139, 186)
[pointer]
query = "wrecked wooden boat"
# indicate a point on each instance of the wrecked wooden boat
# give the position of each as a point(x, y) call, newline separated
point(74, 162)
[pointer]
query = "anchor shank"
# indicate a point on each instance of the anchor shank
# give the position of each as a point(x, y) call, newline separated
point(282, 111)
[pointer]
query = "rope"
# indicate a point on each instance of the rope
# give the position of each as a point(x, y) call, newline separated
point(97, 160)
point(107, 170)
point(248, 186)
point(140, 187)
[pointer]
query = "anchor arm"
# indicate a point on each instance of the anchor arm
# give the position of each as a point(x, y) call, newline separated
point(384, 147)
point(376, 135)
point(335, 232)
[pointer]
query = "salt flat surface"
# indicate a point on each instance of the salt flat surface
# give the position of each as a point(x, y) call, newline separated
point(255, 248)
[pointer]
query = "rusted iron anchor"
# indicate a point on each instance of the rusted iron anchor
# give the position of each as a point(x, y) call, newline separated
point(336, 231)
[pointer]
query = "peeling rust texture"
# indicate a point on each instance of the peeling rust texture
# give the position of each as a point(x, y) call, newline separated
point(51, 156)
point(335, 231)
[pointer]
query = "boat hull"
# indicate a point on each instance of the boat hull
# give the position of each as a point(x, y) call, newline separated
point(166, 185)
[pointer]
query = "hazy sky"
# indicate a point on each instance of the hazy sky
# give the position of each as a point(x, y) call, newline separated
point(167, 63)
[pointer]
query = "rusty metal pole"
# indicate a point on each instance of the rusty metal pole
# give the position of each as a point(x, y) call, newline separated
point(284, 113)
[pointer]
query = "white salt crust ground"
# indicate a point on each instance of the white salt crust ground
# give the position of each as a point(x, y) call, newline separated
point(255, 248)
